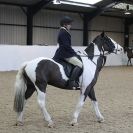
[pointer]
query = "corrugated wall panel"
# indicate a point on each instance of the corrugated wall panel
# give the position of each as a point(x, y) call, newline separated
point(46, 24)
point(107, 24)
point(11, 30)
point(12, 35)
point(12, 15)
point(45, 36)
point(77, 38)
point(114, 27)
point(131, 35)
point(51, 19)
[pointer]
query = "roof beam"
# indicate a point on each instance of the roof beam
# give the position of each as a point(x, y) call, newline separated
point(101, 9)
point(36, 7)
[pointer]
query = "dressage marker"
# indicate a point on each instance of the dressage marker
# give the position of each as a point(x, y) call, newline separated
point(36, 74)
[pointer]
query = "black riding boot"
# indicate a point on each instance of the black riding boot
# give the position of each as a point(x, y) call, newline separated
point(73, 83)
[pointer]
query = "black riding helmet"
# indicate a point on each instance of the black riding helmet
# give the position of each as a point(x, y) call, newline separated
point(66, 20)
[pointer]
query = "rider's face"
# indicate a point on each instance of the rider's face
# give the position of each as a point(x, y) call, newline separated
point(68, 26)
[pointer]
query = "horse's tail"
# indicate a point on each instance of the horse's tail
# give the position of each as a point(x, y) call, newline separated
point(20, 88)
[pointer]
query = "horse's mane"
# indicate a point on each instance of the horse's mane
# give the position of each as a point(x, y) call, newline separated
point(90, 50)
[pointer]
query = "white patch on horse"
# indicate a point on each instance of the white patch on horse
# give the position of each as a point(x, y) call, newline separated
point(31, 67)
point(79, 106)
point(96, 53)
point(88, 74)
point(41, 101)
point(98, 113)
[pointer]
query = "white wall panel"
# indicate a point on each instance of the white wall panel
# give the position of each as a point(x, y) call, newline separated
point(27, 53)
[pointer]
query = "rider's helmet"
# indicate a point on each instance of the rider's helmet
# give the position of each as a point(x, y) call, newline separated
point(66, 20)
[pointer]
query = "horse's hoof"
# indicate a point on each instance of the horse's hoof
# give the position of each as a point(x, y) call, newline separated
point(101, 120)
point(51, 124)
point(19, 123)
point(73, 123)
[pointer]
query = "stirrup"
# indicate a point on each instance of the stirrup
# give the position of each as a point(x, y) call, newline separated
point(74, 85)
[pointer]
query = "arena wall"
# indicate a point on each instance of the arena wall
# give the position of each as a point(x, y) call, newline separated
point(13, 56)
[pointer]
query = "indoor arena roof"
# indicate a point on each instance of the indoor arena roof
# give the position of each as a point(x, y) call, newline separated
point(118, 8)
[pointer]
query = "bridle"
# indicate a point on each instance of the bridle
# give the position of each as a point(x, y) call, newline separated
point(103, 54)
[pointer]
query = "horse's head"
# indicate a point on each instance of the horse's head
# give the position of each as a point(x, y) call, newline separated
point(105, 43)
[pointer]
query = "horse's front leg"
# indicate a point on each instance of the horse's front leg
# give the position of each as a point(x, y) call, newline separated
point(78, 109)
point(92, 96)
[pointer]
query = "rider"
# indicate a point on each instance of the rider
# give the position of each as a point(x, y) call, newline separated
point(65, 51)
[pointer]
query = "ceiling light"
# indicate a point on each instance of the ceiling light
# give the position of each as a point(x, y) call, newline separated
point(127, 13)
point(56, 2)
point(77, 4)
point(84, 1)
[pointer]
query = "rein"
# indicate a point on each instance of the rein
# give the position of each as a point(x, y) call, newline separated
point(101, 55)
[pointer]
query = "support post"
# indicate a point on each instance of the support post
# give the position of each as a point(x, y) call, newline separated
point(85, 30)
point(126, 34)
point(29, 26)
point(31, 11)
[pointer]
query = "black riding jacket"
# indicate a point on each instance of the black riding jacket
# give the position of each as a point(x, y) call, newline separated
point(64, 40)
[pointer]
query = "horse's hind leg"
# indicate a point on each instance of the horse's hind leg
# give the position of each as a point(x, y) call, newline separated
point(95, 105)
point(41, 90)
point(20, 118)
point(30, 90)
point(78, 109)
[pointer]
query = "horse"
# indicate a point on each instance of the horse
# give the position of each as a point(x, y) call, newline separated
point(129, 55)
point(36, 74)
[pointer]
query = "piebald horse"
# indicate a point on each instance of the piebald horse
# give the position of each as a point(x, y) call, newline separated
point(36, 74)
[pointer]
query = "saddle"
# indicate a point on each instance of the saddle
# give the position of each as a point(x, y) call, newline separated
point(68, 68)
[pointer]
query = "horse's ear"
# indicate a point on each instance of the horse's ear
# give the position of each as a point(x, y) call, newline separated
point(102, 34)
